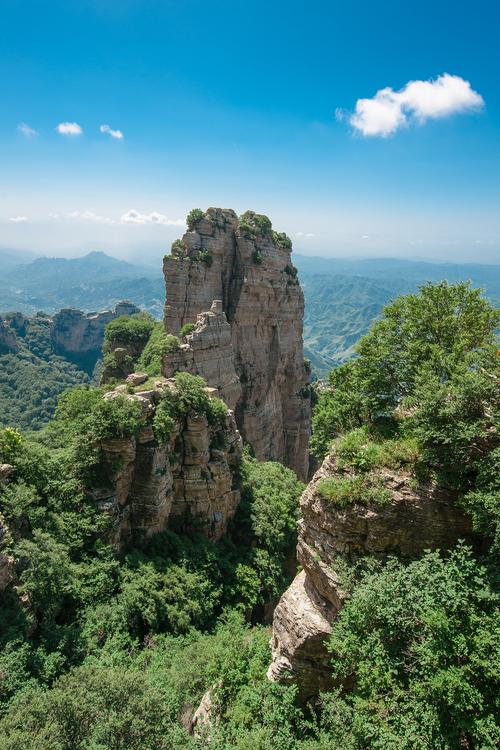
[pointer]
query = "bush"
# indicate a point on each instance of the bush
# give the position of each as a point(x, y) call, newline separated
point(186, 329)
point(282, 240)
point(133, 330)
point(205, 257)
point(257, 257)
point(159, 344)
point(419, 642)
point(178, 248)
point(193, 217)
point(253, 224)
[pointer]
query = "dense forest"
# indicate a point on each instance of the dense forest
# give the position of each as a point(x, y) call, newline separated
point(106, 649)
point(33, 375)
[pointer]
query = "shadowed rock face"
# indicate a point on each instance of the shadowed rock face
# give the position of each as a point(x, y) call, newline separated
point(248, 269)
point(414, 519)
point(76, 332)
point(188, 478)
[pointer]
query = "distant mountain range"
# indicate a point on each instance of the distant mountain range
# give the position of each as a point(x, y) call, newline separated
point(95, 281)
point(343, 296)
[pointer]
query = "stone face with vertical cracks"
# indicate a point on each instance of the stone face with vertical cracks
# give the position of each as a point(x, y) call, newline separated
point(247, 267)
point(209, 350)
point(415, 518)
point(189, 478)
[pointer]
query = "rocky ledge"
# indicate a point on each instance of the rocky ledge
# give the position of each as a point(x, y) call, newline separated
point(413, 518)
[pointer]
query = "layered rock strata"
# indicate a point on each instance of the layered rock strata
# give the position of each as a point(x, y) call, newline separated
point(76, 332)
point(208, 350)
point(189, 478)
point(247, 266)
point(414, 519)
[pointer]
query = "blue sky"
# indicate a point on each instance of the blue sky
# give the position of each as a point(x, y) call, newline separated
point(251, 105)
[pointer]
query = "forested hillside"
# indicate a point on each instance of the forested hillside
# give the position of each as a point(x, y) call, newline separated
point(342, 297)
point(33, 375)
point(162, 642)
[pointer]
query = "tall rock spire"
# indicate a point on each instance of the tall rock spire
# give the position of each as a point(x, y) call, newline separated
point(244, 265)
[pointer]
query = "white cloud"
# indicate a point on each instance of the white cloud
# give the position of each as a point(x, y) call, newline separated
point(390, 110)
point(26, 130)
point(18, 219)
point(135, 217)
point(82, 216)
point(365, 236)
point(305, 234)
point(69, 128)
point(113, 133)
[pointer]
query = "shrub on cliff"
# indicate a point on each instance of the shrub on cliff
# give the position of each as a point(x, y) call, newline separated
point(133, 330)
point(193, 217)
point(427, 373)
point(158, 345)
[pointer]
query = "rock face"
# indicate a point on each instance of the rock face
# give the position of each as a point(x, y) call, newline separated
point(76, 332)
point(8, 338)
point(414, 519)
point(246, 266)
point(209, 351)
point(190, 479)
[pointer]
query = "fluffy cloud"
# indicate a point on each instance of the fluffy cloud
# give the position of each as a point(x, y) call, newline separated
point(18, 219)
point(26, 130)
point(113, 133)
point(305, 234)
point(135, 217)
point(69, 128)
point(389, 110)
point(82, 216)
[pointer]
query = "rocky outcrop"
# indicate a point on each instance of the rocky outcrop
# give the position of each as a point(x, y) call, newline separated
point(190, 479)
point(8, 338)
point(209, 351)
point(414, 518)
point(246, 266)
point(76, 332)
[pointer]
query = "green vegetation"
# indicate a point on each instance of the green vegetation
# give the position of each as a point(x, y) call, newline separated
point(421, 642)
point(344, 491)
point(193, 217)
point(186, 329)
point(425, 387)
point(252, 224)
point(108, 651)
point(129, 330)
point(205, 256)
point(32, 378)
point(158, 345)
point(178, 248)
point(257, 257)
point(189, 393)
point(283, 240)
point(140, 631)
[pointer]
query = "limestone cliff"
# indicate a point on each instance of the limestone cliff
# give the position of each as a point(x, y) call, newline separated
point(414, 518)
point(76, 332)
point(246, 266)
point(189, 478)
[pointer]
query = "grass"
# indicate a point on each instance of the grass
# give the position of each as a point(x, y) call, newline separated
point(357, 450)
point(345, 491)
